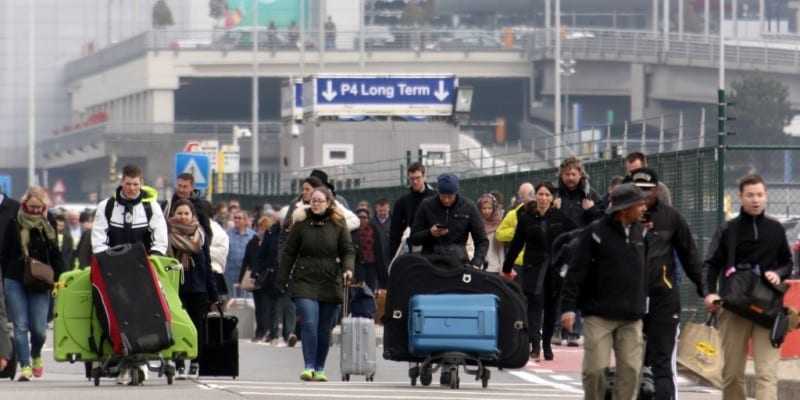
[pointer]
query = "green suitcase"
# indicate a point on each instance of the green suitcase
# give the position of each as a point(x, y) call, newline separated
point(73, 305)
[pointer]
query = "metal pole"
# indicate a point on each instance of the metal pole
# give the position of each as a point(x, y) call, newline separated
point(548, 19)
point(557, 72)
point(302, 38)
point(707, 18)
point(680, 131)
point(254, 101)
point(31, 94)
point(661, 134)
point(654, 6)
point(722, 119)
point(625, 137)
point(761, 16)
point(702, 141)
point(642, 147)
point(735, 17)
point(321, 35)
point(666, 24)
point(361, 33)
point(680, 19)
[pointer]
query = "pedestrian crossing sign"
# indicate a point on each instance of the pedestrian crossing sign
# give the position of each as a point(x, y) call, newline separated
point(196, 164)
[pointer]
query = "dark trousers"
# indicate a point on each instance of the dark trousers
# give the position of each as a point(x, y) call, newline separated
point(661, 332)
point(264, 310)
point(552, 295)
point(196, 305)
point(284, 313)
point(532, 281)
point(367, 273)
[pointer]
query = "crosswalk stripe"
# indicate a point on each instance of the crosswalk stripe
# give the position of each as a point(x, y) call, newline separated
point(372, 396)
point(337, 383)
point(528, 377)
point(492, 391)
point(560, 378)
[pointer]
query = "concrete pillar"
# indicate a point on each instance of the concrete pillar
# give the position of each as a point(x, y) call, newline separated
point(666, 24)
point(735, 16)
point(638, 93)
point(761, 16)
point(707, 18)
point(161, 110)
point(681, 21)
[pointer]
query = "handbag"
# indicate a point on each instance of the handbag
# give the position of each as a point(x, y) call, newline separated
point(745, 291)
point(248, 283)
point(38, 275)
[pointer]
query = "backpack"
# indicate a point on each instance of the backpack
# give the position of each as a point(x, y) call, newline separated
point(148, 212)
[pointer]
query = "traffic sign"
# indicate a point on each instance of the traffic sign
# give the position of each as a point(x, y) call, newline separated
point(5, 185)
point(335, 95)
point(196, 164)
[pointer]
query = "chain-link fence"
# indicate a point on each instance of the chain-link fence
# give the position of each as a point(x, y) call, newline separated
point(690, 175)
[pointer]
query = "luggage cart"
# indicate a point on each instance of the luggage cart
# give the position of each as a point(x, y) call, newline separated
point(451, 362)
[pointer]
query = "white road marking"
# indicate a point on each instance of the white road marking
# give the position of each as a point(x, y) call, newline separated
point(528, 377)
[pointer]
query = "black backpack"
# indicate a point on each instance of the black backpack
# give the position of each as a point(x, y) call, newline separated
point(148, 212)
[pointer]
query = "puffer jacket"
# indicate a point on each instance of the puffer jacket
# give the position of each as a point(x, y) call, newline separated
point(571, 202)
point(316, 254)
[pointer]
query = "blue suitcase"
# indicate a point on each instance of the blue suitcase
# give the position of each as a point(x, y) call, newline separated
point(465, 323)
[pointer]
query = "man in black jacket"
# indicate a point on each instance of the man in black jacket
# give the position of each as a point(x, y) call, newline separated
point(8, 211)
point(761, 242)
point(405, 208)
point(444, 222)
point(667, 235)
point(607, 283)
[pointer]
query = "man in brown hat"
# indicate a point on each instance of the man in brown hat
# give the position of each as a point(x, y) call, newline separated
point(606, 282)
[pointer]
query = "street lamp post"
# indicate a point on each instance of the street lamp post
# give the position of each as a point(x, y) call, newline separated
point(556, 72)
point(254, 160)
point(722, 118)
point(31, 94)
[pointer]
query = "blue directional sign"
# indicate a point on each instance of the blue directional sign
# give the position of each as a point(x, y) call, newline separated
point(383, 95)
point(196, 164)
point(5, 184)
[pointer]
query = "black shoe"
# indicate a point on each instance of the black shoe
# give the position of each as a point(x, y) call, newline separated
point(535, 351)
point(292, 340)
point(547, 349)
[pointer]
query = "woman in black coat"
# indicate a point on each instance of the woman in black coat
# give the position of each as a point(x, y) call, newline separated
point(30, 234)
point(538, 224)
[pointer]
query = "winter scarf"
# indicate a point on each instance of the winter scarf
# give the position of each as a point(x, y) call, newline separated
point(27, 223)
point(185, 240)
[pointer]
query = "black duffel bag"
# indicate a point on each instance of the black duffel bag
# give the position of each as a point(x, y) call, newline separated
point(413, 274)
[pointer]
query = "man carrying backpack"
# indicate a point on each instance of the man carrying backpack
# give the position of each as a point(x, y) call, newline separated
point(125, 219)
point(750, 243)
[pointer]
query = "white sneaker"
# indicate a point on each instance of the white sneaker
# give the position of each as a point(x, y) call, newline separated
point(124, 377)
point(144, 372)
point(281, 343)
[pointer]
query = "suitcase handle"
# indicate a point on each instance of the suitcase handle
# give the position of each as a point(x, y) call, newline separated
point(118, 249)
point(417, 321)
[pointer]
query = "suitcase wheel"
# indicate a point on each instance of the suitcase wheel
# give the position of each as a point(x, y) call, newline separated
point(413, 374)
point(426, 376)
point(96, 374)
point(454, 380)
point(485, 376)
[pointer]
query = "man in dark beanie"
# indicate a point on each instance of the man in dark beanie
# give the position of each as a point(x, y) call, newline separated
point(322, 176)
point(606, 281)
point(444, 222)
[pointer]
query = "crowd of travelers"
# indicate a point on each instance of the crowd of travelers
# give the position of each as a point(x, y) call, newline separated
point(597, 270)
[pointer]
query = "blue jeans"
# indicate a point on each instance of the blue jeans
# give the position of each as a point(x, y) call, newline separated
point(318, 321)
point(28, 312)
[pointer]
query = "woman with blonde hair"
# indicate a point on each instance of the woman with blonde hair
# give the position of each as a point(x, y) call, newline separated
point(317, 260)
point(31, 236)
point(492, 214)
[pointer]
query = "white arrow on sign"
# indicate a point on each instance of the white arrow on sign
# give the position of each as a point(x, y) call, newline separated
point(441, 94)
point(329, 94)
point(194, 169)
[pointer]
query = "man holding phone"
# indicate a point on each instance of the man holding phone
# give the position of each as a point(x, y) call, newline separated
point(444, 222)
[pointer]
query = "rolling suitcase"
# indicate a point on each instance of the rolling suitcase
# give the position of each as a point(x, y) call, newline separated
point(244, 310)
point(220, 349)
point(10, 371)
point(453, 322)
point(129, 301)
point(73, 313)
point(358, 350)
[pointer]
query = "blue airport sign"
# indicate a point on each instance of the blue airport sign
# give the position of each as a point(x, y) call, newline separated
point(196, 164)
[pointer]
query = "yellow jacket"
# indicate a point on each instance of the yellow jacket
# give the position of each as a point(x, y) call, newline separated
point(505, 232)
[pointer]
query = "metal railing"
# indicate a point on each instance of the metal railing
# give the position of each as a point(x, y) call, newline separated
point(533, 151)
point(769, 52)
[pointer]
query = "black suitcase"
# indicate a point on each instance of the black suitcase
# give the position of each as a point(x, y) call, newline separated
point(10, 371)
point(413, 274)
point(129, 302)
point(219, 353)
